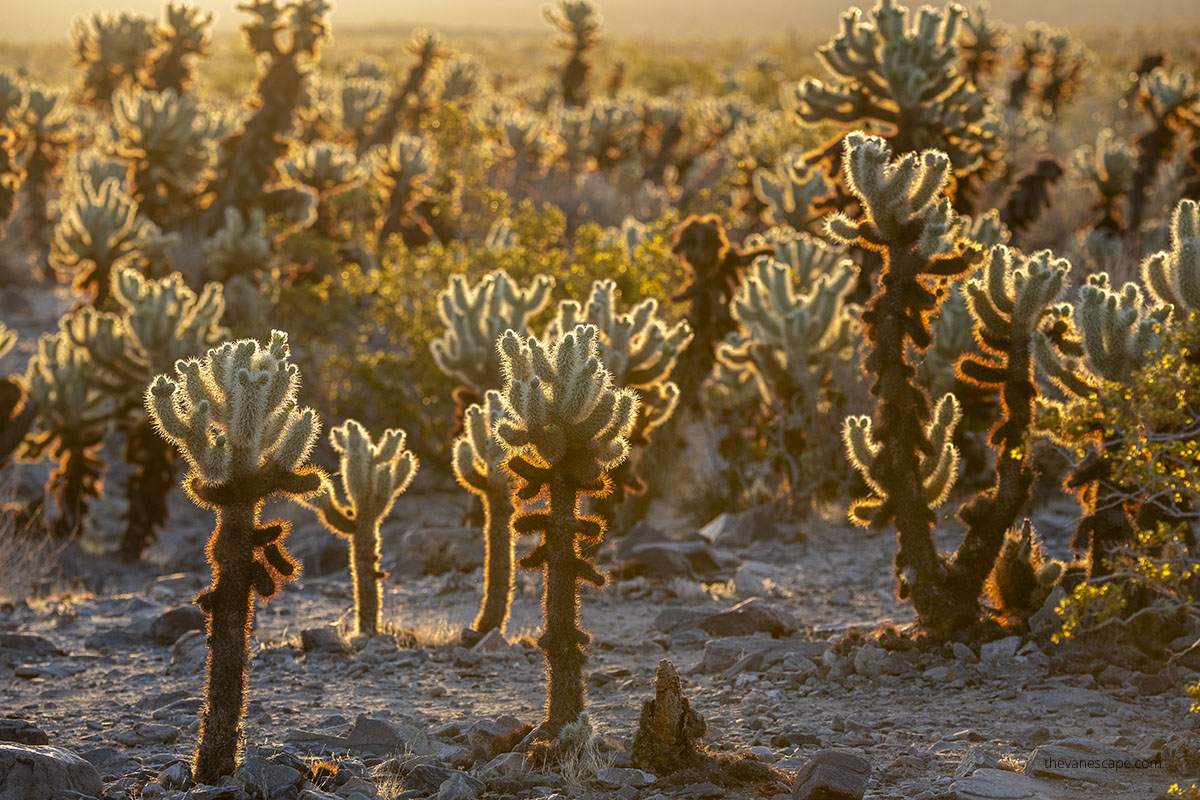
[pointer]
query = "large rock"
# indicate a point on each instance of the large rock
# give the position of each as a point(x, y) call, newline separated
point(170, 625)
point(372, 736)
point(21, 647)
point(488, 738)
point(832, 775)
point(439, 550)
point(258, 775)
point(678, 559)
point(39, 772)
point(749, 617)
point(741, 528)
point(998, 784)
point(755, 653)
point(1079, 760)
point(22, 732)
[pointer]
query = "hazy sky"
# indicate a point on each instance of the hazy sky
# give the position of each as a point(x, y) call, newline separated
point(50, 19)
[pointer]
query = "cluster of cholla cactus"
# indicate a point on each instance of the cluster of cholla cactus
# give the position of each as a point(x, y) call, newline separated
point(402, 174)
point(1171, 101)
point(405, 102)
point(46, 131)
point(791, 193)
point(479, 460)
point(791, 344)
point(234, 416)
point(578, 23)
point(286, 39)
point(1049, 70)
point(475, 318)
point(565, 428)
point(982, 45)
point(374, 474)
point(906, 79)
point(159, 322)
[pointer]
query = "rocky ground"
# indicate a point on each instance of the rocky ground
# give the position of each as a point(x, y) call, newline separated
point(746, 610)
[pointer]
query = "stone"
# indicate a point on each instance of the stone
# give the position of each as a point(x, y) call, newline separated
point(641, 533)
point(22, 732)
point(1000, 652)
point(1046, 620)
point(506, 764)
point(1077, 760)
point(206, 792)
point(748, 617)
point(170, 625)
point(998, 784)
point(460, 786)
point(190, 651)
point(440, 550)
point(755, 578)
point(146, 733)
point(1150, 685)
point(832, 775)
point(741, 528)
point(176, 775)
point(321, 640)
point(372, 736)
point(755, 653)
point(617, 777)
point(700, 791)
point(1112, 676)
point(668, 730)
point(964, 653)
point(16, 647)
point(426, 778)
point(871, 662)
point(976, 758)
point(489, 737)
point(40, 772)
point(258, 775)
point(129, 637)
point(660, 560)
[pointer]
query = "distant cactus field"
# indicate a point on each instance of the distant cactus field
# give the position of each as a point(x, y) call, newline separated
point(583, 414)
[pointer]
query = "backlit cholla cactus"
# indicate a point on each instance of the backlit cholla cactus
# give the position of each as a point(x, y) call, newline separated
point(1110, 167)
point(638, 349)
point(16, 411)
point(402, 172)
point(1050, 69)
point(100, 229)
point(286, 38)
point(159, 322)
point(113, 49)
point(1172, 277)
point(906, 456)
point(12, 98)
point(578, 23)
point(475, 317)
point(1107, 335)
point(73, 418)
point(982, 45)
point(478, 461)
point(905, 79)
point(790, 345)
point(46, 130)
point(526, 142)
point(327, 169)
point(808, 256)
point(462, 78)
point(1171, 102)
point(565, 428)
point(374, 474)
point(183, 37)
point(238, 249)
point(234, 416)
point(362, 102)
point(170, 142)
point(791, 192)
point(1023, 576)
point(427, 48)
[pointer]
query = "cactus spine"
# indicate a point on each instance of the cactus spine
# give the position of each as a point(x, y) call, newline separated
point(374, 474)
point(234, 416)
point(479, 467)
point(565, 427)
point(908, 462)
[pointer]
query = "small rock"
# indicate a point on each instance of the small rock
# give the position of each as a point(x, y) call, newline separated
point(176, 775)
point(755, 579)
point(997, 784)
point(702, 790)
point(190, 651)
point(1046, 620)
point(22, 732)
point(641, 533)
point(871, 662)
point(506, 764)
point(169, 626)
point(976, 758)
point(39, 772)
point(723, 654)
point(206, 792)
point(964, 653)
point(426, 778)
point(264, 777)
point(492, 642)
point(439, 550)
point(748, 617)
point(616, 777)
point(1112, 676)
point(23, 647)
point(1001, 651)
point(489, 737)
point(130, 637)
point(832, 775)
point(1076, 759)
point(147, 733)
point(1150, 685)
point(937, 674)
point(460, 786)
point(321, 640)
point(740, 528)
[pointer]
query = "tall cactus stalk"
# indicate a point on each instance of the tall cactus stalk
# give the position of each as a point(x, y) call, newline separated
point(479, 467)
point(565, 427)
point(374, 474)
point(234, 416)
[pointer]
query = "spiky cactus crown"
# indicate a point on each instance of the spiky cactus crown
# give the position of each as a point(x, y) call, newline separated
point(986, 39)
point(905, 77)
point(184, 35)
point(324, 167)
point(476, 316)
point(238, 247)
point(809, 256)
point(1173, 276)
point(790, 192)
point(462, 78)
point(578, 22)
point(404, 168)
point(113, 48)
point(789, 336)
point(60, 380)
point(374, 473)
point(479, 456)
point(1008, 298)
point(234, 412)
point(362, 101)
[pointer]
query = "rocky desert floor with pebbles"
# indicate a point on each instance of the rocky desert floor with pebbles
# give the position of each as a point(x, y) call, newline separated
point(111, 672)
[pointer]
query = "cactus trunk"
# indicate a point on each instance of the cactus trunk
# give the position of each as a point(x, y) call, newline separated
point(230, 611)
point(154, 463)
point(562, 642)
point(498, 573)
point(368, 579)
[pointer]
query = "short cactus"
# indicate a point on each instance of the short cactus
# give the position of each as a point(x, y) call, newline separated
point(1173, 277)
point(578, 23)
point(984, 41)
point(184, 36)
point(403, 172)
point(565, 428)
point(478, 460)
point(113, 49)
point(234, 416)
point(374, 474)
point(1022, 577)
point(427, 47)
point(791, 193)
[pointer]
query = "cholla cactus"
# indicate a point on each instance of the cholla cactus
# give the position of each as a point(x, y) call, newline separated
point(1105, 337)
point(113, 49)
point(1023, 577)
point(185, 36)
point(1050, 69)
point(1030, 195)
point(578, 23)
point(328, 170)
point(374, 474)
point(984, 41)
point(808, 256)
point(1171, 101)
point(1173, 277)
point(565, 428)
point(12, 98)
point(170, 142)
point(906, 79)
point(286, 39)
point(159, 323)
point(403, 172)
point(907, 458)
point(791, 193)
point(46, 129)
point(73, 418)
point(99, 229)
point(1110, 166)
point(16, 411)
point(611, 133)
point(462, 78)
point(478, 461)
point(475, 317)
point(526, 140)
point(362, 102)
point(427, 47)
point(237, 248)
point(234, 416)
